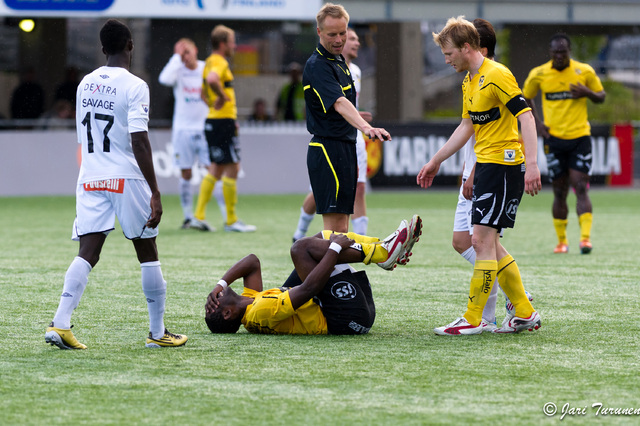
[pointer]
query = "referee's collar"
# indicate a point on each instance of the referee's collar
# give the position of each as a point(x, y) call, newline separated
point(325, 54)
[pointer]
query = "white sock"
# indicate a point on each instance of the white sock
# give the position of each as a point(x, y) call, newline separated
point(219, 196)
point(75, 281)
point(470, 255)
point(155, 290)
point(303, 224)
point(359, 225)
point(186, 197)
point(489, 312)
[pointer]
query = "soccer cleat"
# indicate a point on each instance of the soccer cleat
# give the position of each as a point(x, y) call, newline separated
point(511, 311)
point(239, 226)
point(415, 230)
point(561, 248)
point(169, 340)
point(585, 247)
point(395, 244)
point(517, 324)
point(201, 225)
point(488, 327)
point(186, 224)
point(62, 338)
point(459, 327)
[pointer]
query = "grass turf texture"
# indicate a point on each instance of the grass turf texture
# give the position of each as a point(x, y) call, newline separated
point(400, 373)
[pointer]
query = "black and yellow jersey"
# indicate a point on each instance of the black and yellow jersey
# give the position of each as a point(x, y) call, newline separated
point(272, 313)
point(220, 66)
point(566, 117)
point(326, 78)
point(493, 100)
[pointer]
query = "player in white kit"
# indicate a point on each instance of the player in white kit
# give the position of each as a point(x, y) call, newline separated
point(359, 219)
point(183, 73)
point(116, 178)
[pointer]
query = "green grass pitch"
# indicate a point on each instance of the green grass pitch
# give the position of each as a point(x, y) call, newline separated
point(586, 352)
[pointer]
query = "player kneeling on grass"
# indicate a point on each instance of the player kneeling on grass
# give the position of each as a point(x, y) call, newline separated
point(323, 295)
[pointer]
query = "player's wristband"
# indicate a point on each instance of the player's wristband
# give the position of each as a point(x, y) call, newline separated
point(335, 247)
point(223, 283)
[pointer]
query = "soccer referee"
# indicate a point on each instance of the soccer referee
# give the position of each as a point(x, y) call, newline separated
point(332, 119)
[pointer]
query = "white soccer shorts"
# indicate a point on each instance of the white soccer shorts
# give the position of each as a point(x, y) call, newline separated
point(189, 146)
point(99, 203)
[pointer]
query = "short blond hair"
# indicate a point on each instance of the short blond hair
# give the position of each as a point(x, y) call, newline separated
point(456, 33)
point(334, 10)
point(220, 34)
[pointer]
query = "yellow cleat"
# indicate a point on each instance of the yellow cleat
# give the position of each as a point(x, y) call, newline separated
point(561, 248)
point(62, 338)
point(166, 341)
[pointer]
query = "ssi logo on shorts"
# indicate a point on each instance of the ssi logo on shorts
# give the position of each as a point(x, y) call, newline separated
point(343, 290)
point(512, 208)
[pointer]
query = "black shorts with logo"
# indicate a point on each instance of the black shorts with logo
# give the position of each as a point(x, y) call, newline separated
point(565, 154)
point(222, 138)
point(333, 173)
point(347, 303)
point(497, 191)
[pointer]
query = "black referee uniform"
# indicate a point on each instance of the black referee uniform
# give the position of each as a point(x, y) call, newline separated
point(331, 156)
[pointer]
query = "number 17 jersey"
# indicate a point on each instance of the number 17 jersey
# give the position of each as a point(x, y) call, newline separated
point(111, 103)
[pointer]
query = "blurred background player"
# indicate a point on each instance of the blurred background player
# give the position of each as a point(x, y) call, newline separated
point(565, 86)
point(290, 102)
point(221, 129)
point(116, 179)
point(359, 219)
point(183, 73)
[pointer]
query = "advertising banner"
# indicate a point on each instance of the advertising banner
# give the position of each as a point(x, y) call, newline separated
point(188, 9)
point(413, 145)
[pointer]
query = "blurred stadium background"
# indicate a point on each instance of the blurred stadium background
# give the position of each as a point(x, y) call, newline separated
point(406, 84)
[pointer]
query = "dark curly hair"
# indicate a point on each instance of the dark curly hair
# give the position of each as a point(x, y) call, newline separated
point(114, 36)
point(217, 324)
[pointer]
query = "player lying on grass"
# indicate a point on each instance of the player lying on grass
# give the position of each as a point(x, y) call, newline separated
point(323, 295)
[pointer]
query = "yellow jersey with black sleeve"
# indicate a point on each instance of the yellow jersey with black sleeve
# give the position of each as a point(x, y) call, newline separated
point(493, 101)
point(220, 66)
point(566, 117)
point(272, 313)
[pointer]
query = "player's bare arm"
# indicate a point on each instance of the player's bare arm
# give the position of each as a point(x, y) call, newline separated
point(540, 126)
point(141, 148)
point(248, 268)
point(345, 108)
point(318, 277)
point(532, 181)
point(213, 80)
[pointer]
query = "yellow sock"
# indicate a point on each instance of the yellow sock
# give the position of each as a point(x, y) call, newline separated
point(561, 230)
point(511, 283)
point(372, 252)
point(585, 220)
point(484, 274)
point(230, 194)
point(355, 237)
point(206, 189)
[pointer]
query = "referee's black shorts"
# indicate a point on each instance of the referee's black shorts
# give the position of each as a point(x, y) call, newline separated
point(333, 173)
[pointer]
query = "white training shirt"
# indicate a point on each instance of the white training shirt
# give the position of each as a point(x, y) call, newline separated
point(190, 111)
point(356, 74)
point(111, 103)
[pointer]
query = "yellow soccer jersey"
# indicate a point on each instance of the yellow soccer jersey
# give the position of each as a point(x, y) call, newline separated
point(566, 117)
point(272, 313)
point(493, 100)
point(220, 65)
